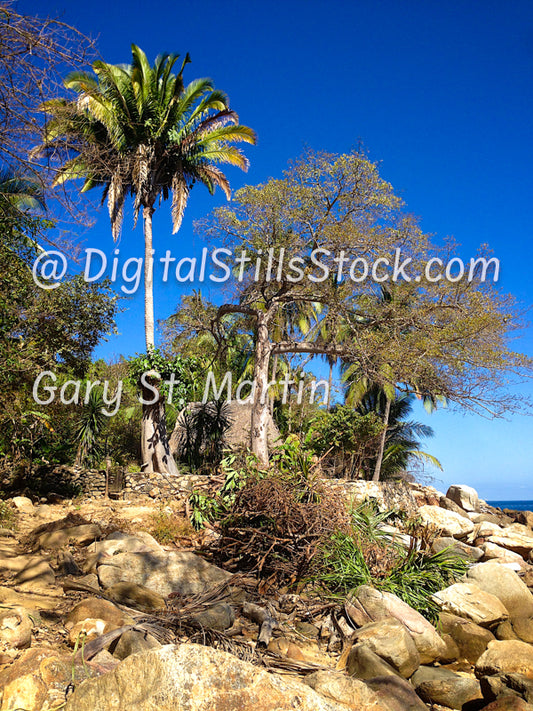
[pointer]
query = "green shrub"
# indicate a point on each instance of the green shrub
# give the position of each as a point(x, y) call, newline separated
point(367, 555)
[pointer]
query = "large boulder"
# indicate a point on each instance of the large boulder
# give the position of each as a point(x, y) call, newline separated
point(344, 689)
point(449, 505)
point(396, 694)
point(79, 535)
point(491, 551)
point(464, 496)
point(437, 685)
point(504, 584)
point(516, 538)
point(471, 639)
point(363, 663)
point(506, 657)
point(164, 573)
point(120, 542)
point(470, 601)
point(458, 548)
point(192, 677)
point(448, 523)
point(39, 679)
point(366, 604)
point(238, 434)
point(391, 641)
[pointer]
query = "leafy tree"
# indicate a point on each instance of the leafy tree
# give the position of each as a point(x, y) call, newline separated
point(40, 330)
point(138, 130)
point(345, 440)
point(445, 339)
point(34, 51)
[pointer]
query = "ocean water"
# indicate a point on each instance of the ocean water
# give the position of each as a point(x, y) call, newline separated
point(513, 505)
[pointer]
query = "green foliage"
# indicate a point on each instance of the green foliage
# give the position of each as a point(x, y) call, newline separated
point(346, 439)
point(403, 439)
point(238, 470)
point(367, 555)
point(203, 428)
point(186, 370)
point(40, 330)
point(92, 422)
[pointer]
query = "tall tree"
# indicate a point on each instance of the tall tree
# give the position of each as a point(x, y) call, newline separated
point(138, 130)
point(448, 337)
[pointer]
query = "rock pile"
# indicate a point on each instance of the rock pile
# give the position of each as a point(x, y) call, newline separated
point(142, 626)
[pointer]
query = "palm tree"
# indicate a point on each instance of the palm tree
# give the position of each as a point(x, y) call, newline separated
point(138, 130)
point(401, 440)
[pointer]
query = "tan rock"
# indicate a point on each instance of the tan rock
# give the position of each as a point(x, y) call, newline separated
point(137, 596)
point(96, 608)
point(491, 551)
point(363, 663)
point(516, 537)
point(286, 648)
point(469, 601)
point(437, 685)
point(506, 657)
point(120, 542)
point(176, 571)
point(366, 604)
point(196, 678)
point(15, 628)
point(346, 690)
point(86, 630)
point(30, 601)
point(23, 504)
point(133, 642)
point(471, 639)
point(448, 522)
point(79, 535)
point(509, 703)
point(21, 685)
point(504, 584)
point(396, 694)
point(464, 496)
point(391, 641)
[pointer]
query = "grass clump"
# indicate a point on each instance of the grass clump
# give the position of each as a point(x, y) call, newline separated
point(366, 554)
point(167, 527)
point(8, 517)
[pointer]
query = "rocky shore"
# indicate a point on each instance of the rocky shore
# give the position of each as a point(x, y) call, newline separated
point(96, 615)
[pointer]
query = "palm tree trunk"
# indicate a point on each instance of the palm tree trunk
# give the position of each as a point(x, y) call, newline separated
point(155, 449)
point(148, 279)
point(377, 470)
point(260, 405)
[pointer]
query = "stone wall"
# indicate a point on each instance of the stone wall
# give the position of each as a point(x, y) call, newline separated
point(400, 495)
point(123, 484)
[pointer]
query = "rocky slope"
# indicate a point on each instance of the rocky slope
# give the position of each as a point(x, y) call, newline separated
point(96, 615)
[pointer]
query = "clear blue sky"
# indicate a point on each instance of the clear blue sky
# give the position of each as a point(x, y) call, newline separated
point(440, 93)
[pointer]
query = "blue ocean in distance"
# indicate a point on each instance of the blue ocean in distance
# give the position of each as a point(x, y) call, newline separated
point(513, 505)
